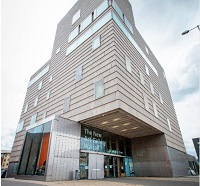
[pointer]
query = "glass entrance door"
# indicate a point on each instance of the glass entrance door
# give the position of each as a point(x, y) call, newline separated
point(129, 169)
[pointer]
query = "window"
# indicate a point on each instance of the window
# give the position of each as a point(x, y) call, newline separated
point(155, 110)
point(76, 16)
point(73, 34)
point(50, 78)
point(36, 101)
point(118, 10)
point(152, 89)
point(147, 70)
point(78, 73)
point(44, 115)
point(15, 166)
point(26, 108)
point(57, 50)
point(103, 6)
point(160, 96)
point(141, 78)
point(66, 104)
point(40, 85)
point(128, 24)
point(169, 124)
point(164, 75)
point(48, 95)
point(35, 150)
point(86, 22)
point(20, 126)
point(128, 64)
point(33, 119)
point(96, 43)
point(38, 76)
point(99, 89)
point(146, 103)
point(147, 50)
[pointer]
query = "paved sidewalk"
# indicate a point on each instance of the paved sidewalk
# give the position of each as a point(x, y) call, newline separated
point(128, 181)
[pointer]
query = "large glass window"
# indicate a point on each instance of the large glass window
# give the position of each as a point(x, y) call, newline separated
point(73, 34)
point(20, 126)
point(103, 6)
point(34, 155)
point(76, 16)
point(36, 101)
point(86, 22)
point(99, 89)
point(83, 165)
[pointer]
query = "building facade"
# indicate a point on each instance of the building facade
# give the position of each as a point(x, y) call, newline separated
point(100, 105)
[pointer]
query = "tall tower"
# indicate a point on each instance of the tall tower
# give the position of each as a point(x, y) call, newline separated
point(100, 105)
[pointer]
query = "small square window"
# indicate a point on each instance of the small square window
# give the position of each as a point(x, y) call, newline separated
point(146, 103)
point(155, 110)
point(147, 50)
point(26, 108)
point(66, 104)
point(128, 64)
point(36, 101)
point(40, 85)
point(152, 89)
point(44, 115)
point(169, 124)
point(96, 43)
point(58, 50)
point(99, 89)
point(50, 78)
point(48, 95)
point(33, 119)
point(20, 126)
point(78, 73)
point(160, 96)
point(147, 70)
point(142, 78)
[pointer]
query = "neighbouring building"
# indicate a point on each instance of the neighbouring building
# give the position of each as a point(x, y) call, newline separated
point(100, 105)
point(5, 157)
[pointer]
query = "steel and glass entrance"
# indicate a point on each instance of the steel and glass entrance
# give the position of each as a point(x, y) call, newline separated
point(104, 155)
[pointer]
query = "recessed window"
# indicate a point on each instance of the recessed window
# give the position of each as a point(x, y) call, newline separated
point(99, 89)
point(147, 70)
point(36, 101)
point(76, 16)
point(44, 115)
point(50, 78)
point(66, 104)
point(141, 78)
point(57, 50)
point(147, 50)
point(48, 95)
point(96, 43)
point(152, 89)
point(169, 124)
point(40, 85)
point(26, 108)
point(73, 34)
point(146, 103)
point(78, 73)
point(164, 75)
point(20, 126)
point(33, 119)
point(86, 22)
point(160, 96)
point(155, 110)
point(128, 64)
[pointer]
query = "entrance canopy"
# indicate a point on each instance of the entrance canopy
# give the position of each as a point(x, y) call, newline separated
point(121, 123)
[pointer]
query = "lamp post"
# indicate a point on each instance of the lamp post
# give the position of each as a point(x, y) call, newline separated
point(187, 31)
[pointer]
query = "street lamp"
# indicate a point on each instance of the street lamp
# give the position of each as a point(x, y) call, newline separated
point(187, 31)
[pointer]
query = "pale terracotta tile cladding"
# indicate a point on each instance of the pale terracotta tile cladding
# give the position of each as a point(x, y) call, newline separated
point(122, 89)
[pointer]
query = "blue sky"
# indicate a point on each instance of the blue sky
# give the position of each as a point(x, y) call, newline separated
point(28, 31)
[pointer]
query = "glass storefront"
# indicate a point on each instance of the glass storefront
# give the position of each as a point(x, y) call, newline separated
point(34, 154)
point(116, 150)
